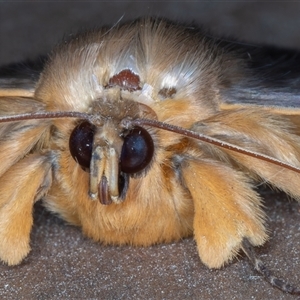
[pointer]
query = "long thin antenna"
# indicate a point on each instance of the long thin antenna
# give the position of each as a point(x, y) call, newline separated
point(208, 139)
point(44, 115)
point(129, 123)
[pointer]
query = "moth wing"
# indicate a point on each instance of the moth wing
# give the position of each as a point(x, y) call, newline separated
point(283, 101)
point(17, 139)
point(17, 87)
point(271, 81)
point(279, 101)
point(20, 79)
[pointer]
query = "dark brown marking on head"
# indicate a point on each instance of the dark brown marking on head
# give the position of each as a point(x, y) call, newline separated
point(167, 92)
point(126, 80)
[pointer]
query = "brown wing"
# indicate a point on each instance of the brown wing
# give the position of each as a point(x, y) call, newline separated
point(272, 81)
point(19, 79)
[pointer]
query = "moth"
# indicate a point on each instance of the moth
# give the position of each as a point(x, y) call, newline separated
point(149, 132)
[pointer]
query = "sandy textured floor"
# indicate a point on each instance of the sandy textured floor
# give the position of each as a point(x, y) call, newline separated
point(65, 265)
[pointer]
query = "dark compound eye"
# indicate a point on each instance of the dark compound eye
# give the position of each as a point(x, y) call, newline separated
point(137, 150)
point(81, 143)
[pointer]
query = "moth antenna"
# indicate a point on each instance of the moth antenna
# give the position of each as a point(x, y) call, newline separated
point(127, 123)
point(260, 267)
point(45, 115)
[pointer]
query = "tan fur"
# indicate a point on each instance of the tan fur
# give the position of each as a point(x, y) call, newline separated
point(189, 188)
point(23, 184)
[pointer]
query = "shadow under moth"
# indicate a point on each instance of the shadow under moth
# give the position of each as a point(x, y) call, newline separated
point(149, 132)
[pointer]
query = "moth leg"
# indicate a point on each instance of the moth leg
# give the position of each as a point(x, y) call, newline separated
point(262, 269)
point(23, 184)
point(227, 210)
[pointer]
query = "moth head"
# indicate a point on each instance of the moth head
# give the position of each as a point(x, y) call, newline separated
point(111, 157)
point(110, 152)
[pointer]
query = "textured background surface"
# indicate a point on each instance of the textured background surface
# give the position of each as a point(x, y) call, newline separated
point(65, 265)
